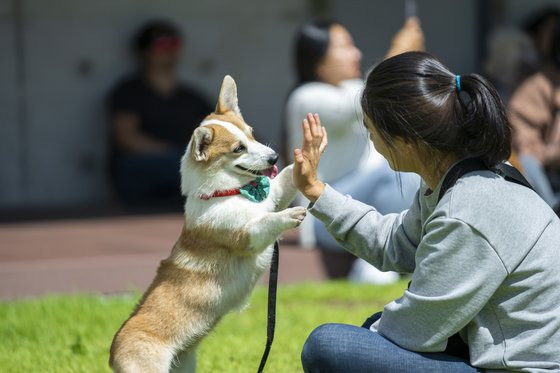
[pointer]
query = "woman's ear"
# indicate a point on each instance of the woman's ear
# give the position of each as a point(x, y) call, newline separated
point(202, 138)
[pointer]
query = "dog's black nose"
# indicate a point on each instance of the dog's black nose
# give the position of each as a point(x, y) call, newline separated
point(273, 159)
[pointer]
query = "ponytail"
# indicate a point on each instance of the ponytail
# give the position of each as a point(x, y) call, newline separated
point(487, 134)
point(413, 96)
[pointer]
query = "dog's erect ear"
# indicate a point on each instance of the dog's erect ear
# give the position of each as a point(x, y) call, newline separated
point(227, 101)
point(202, 137)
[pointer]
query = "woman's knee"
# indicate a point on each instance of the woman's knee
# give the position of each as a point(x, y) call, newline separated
point(317, 348)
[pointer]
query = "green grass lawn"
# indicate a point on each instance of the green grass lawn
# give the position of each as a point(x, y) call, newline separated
point(73, 333)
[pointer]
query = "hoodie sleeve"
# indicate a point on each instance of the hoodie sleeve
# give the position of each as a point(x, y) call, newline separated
point(387, 241)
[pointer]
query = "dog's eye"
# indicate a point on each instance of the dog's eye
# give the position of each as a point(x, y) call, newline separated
point(240, 148)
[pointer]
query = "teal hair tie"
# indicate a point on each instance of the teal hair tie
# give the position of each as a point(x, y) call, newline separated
point(458, 82)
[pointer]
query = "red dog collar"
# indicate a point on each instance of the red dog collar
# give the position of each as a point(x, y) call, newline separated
point(221, 193)
point(249, 191)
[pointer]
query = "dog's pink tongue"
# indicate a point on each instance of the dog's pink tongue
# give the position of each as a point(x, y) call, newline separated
point(270, 172)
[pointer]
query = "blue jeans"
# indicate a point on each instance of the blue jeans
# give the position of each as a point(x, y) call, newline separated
point(348, 349)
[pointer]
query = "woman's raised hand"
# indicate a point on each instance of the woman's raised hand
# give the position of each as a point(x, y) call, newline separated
point(307, 158)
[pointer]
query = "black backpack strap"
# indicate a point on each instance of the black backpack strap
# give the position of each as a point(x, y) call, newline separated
point(455, 345)
point(512, 174)
point(465, 166)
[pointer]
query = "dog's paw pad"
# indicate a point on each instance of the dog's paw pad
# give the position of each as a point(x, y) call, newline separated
point(297, 213)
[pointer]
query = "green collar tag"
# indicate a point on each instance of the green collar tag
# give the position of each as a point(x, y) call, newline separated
point(257, 190)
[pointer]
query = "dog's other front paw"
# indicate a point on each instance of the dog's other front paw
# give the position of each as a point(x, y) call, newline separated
point(289, 171)
point(264, 230)
point(282, 189)
point(285, 177)
point(295, 215)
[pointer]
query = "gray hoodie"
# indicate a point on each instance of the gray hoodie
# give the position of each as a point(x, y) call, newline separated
point(485, 262)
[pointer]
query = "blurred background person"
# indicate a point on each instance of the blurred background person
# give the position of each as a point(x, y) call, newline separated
point(152, 117)
point(539, 26)
point(511, 57)
point(535, 116)
point(329, 83)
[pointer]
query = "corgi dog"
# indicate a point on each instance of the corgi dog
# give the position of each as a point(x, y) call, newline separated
point(236, 208)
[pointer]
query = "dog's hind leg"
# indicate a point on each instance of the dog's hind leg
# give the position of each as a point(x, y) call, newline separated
point(185, 361)
point(143, 358)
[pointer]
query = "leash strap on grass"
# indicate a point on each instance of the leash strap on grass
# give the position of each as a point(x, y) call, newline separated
point(271, 319)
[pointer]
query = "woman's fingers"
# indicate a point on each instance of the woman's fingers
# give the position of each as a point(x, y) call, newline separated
point(325, 140)
point(298, 156)
point(315, 126)
point(320, 133)
point(312, 125)
point(306, 131)
point(314, 135)
point(317, 119)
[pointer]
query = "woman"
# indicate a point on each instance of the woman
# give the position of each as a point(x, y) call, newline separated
point(483, 257)
point(534, 112)
point(329, 82)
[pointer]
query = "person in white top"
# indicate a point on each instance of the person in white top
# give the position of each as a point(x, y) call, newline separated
point(330, 82)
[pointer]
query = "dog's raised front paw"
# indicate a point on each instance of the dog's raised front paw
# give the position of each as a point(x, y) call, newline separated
point(296, 215)
point(289, 168)
point(285, 176)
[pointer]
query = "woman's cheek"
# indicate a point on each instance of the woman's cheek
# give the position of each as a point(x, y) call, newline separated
point(391, 163)
point(380, 147)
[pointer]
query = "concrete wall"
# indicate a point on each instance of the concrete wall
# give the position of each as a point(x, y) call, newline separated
point(10, 131)
point(515, 11)
point(450, 28)
point(60, 57)
point(53, 128)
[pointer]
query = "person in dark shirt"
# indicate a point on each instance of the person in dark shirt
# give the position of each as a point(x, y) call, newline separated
point(152, 117)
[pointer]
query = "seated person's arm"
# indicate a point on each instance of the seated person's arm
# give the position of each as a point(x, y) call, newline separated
point(387, 241)
point(530, 116)
point(129, 138)
point(552, 152)
point(409, 38)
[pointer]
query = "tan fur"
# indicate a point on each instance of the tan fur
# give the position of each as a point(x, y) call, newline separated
point(210, 270)
point(231, 117)
point(178, 300)
point(223, 143)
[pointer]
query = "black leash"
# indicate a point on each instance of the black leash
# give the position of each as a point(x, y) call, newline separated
point(271, 320)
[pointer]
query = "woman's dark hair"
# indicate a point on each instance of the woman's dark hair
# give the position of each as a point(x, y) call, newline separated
point(150, 32)
point(413, 96)
point(311, 45)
